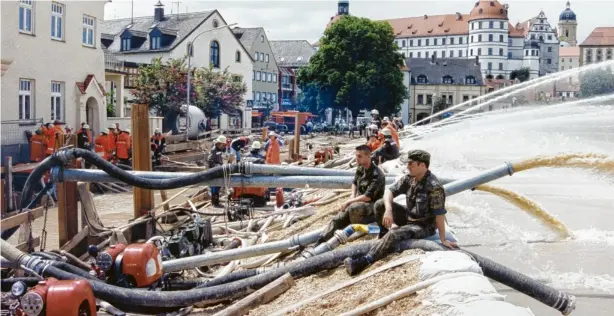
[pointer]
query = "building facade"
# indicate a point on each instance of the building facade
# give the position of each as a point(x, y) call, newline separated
point(290, 56)
point(265, 73)
point(568, 27)
point(569, 58)
point(486, 33)
point(205, 34)
point(598, 46)
point(53, 66)
point(453, 79)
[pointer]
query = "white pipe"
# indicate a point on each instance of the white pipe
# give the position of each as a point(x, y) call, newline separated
point(403, 293)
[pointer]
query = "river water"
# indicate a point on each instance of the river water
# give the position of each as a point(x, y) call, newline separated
point(582, 199)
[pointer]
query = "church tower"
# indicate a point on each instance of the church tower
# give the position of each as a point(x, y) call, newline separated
point(568, 26)
point(343, 7)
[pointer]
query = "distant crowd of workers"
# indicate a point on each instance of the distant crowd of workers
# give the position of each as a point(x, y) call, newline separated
point(382, 137)
point(113, 144)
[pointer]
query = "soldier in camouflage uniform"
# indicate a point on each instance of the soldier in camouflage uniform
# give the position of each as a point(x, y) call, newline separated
point(425, 212)
point(368, 187)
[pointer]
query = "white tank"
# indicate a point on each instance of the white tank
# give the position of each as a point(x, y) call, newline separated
point(197, 121)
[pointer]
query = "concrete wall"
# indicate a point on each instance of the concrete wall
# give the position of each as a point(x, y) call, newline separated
point(40, 58)
point(267, 85)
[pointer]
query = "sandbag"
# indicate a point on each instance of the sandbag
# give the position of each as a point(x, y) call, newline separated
point(442, 262)
point(461, 290)
point(487, 308)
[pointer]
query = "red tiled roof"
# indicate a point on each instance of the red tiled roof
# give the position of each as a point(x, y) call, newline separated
point(435, 25)
point(569, 51)
point(600, 36)
point(86, 83)
point(488, 10)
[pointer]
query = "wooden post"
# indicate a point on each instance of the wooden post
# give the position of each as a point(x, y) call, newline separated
point(8, 171)
point(265, 132)
point(141, 161)
point(68, 208)
point(164, 197)
point(297, 136)
point(2, 201)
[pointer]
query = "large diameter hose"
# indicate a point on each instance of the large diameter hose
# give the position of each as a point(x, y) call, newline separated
point(484, 177)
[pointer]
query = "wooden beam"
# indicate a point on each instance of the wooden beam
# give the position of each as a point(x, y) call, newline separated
point(141, 161)
point(2, 201)
point(24, 245)
point(20, 218)
point(164, 197)
point(262, 296)
point(68, 203)
point(297, 137)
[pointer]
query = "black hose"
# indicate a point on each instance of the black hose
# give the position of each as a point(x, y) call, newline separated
point(125, 167)
point(6, 284)
point(9, 232)
point(47, 255)
point(122, 175)
point(559, 300)
point(72, 269)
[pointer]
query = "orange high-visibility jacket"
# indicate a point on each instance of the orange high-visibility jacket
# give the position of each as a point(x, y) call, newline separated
point(59, 129)
point(123, 146)
point(373, 144)
point(395, 134)
point(272, 153)
point(50, 133)
point(112, 141)
point(101, 145)
point(38, 147)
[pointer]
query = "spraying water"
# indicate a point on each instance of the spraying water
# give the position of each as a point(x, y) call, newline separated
point(528, 206)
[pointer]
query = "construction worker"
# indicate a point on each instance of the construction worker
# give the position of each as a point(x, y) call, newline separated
point(123, 147)
point(421, 216)
point(216, 158)
point(368, 187)
point(101, 145)
point(112, 135)
point(237, 145)
point(88, 130)
point(255, 151)
point(50, 132)
point(67, 130)
point(38, 146)
point(158, 143)
point(273, 148)
point(373, 142)
point(375, 118)
point(393, 129)
point(83, 142)
point(389, 150)
point(258, 195)
point(398, 122)
point(57, 124)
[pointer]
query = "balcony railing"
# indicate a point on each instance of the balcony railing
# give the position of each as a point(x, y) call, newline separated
point(112, 63)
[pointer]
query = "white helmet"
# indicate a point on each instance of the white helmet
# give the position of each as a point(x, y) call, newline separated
point(386, 119)
point(220, 139)
point(256, 145)
point(112, 126)
point(127, 130)
point(157, 131)
point(272, 133)
point(105, 131)
point(376, 112)
point(386, 132)
point(85, 126)
point(373, 126)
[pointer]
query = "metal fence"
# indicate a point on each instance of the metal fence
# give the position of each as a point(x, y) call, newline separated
point(14, 132)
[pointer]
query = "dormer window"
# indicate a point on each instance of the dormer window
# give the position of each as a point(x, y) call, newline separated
point(470, 80)
point(422, 79)
point(447, 80)
point(126, 44)
point(156, 42)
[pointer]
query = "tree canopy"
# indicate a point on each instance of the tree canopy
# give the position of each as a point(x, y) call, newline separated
point(597, 82)
point(357, 66)
point(523, 74)
point(164, 87)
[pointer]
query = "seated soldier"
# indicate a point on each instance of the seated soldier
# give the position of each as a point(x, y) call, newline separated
point(389, 150)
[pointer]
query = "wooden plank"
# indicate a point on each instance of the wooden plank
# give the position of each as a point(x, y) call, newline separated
point(20, 218)
point(22, 167)
point(297, 138)
point(68, 203)
point(83, 233)
point(24, 246)
point(8, 186)
point(262, 296)
point(165, 202)
point(164, 197)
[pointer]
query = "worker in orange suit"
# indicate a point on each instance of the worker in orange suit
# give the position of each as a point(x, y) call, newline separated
point(124, 144)
point(273, 148)
point(393, 129)
point(112, 135)
point(57, 124)
point(38, 146)
point(373, 142)
point(101, 144)
point(50, 132)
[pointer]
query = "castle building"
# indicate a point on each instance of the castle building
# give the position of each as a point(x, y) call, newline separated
point(568, 26)
point(486, 33)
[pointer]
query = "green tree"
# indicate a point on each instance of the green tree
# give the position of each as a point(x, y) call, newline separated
point(440, 104)
point(597, 82)
point(523, 74)
point(357, 66)
point(218, 91)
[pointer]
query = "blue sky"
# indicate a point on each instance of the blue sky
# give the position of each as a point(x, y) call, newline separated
point(299, 19)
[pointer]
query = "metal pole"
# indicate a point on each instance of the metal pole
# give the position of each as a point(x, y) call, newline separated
point(187, 110)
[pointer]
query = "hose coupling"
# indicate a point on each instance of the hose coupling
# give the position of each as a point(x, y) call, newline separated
point(64, 156)
point(565, 303)
point(510, 168)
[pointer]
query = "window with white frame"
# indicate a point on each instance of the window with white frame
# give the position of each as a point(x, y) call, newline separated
point(275, 77)
point(56, 101)
point(270, 77)
point(57, 21)
point(257, 96)
point(89, 30)
point(256, 56)
point(25, 99)
point(266, 59)
point(261, 56)
point(257, 75)
point(25, 16)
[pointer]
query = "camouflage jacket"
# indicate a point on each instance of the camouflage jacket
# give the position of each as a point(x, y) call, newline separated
point(370, 182)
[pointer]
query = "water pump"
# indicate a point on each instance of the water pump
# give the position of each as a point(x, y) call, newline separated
point(53, 297)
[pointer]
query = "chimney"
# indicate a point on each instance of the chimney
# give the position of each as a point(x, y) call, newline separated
point(159, 12)
point(458, 16)
point(433, 59)
point(477, 60)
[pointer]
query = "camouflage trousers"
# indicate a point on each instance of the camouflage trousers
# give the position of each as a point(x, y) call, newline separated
point(389, 240)
point(356, 213)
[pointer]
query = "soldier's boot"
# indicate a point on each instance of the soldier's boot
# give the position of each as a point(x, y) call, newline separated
point(355, 266)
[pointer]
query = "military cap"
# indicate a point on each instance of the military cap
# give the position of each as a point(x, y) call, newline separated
point(418, 155)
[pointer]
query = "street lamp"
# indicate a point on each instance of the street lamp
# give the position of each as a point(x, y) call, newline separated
point(190, 49)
